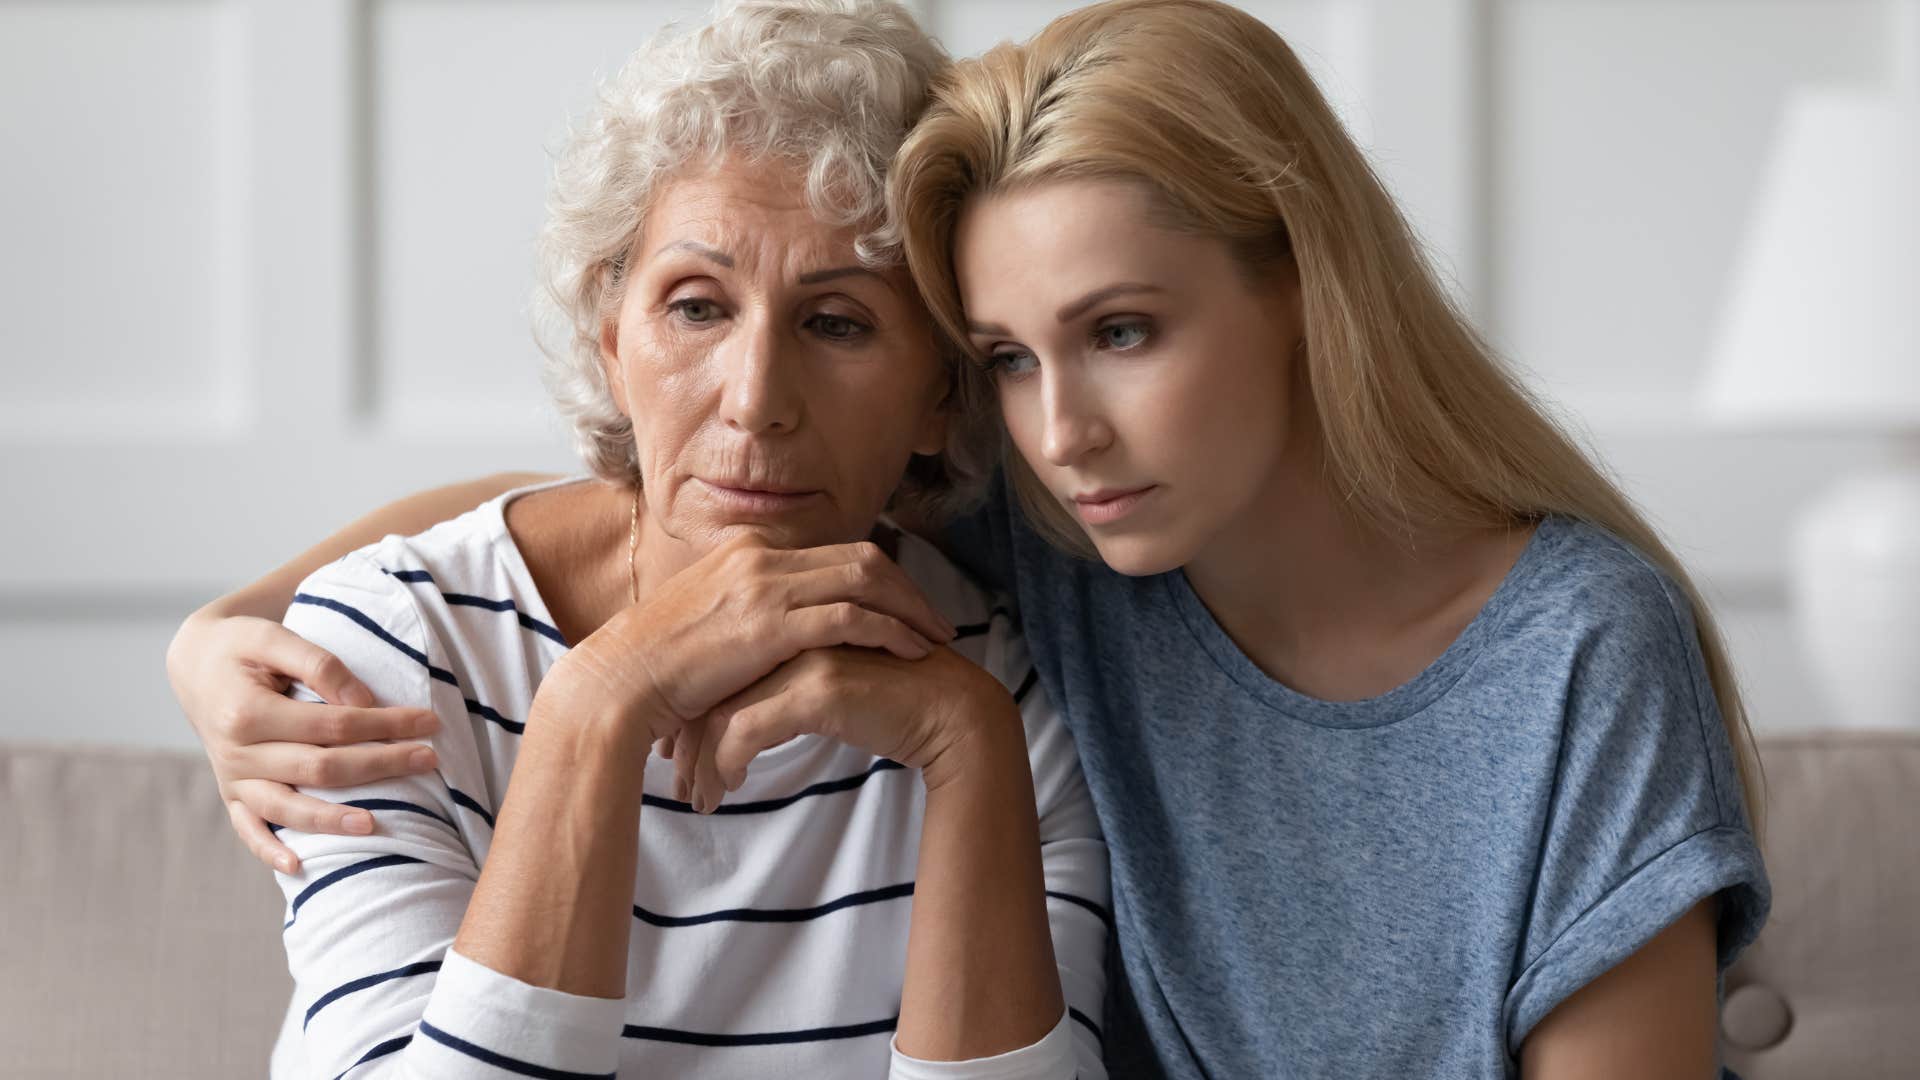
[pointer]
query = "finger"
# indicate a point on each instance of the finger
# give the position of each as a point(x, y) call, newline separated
point(707, 786)
point(282, 805)
point(259, 840)
point(279, 649)
point(663, 748)
point(873, 581)
point(685, 745)
point(272, 718)
point(751, 732)
point(331, 767)
point(847, 623)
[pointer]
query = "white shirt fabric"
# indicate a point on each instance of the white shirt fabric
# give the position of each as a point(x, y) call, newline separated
point(769, 939)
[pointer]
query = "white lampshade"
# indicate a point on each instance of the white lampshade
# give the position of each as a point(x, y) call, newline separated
point(1822, 327)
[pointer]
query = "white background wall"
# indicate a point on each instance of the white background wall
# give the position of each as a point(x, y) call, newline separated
point(263, 264)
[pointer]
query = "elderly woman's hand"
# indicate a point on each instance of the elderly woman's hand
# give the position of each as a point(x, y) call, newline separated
point(230, 674)
point(910, 712)
point(729, 620)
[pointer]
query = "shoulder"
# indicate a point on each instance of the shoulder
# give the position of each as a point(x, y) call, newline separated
point(379, 587)
point(1604, 602)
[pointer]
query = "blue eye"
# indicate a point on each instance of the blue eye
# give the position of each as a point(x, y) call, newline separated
point(1012, 364)
point(695, 310)
point(1121, 336)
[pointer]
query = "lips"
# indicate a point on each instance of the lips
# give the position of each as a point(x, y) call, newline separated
point(751, 487)
point(1107, 505)
point(1107, 495)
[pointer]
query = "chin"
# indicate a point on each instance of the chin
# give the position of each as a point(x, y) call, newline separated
point(1140, 556)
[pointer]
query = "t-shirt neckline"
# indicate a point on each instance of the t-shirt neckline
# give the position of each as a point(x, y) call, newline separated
point(1395, 705)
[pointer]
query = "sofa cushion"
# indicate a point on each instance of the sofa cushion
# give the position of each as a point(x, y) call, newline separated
point(141, 940)
point(1832, 985)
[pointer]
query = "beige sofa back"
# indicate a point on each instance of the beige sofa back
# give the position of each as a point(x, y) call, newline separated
point(137, 937)
point(139, 940)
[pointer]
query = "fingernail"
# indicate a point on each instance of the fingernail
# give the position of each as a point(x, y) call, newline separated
point(429, 723)
point(680, 791)
point(283, 863)
point(358, 823)
point(357, 697)
point(420, 760)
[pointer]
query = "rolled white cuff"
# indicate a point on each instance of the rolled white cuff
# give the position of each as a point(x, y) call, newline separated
point(481, 1015)
point(1052, 1058)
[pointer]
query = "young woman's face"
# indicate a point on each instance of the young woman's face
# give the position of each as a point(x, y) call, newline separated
point(1146, 377)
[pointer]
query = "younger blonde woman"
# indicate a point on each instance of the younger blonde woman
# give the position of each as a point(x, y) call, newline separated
point(1415, 751)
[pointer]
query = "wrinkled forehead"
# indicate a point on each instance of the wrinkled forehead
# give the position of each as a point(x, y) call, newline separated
point(751, 218)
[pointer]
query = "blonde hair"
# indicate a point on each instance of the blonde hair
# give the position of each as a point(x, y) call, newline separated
point(826, 87)
point(1422, 427)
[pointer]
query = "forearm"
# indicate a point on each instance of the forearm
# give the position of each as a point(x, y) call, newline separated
point(981, 978)
point(554, 904)
point(268, 597)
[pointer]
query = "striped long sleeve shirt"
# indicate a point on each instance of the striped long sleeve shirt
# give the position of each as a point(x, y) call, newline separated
point(769, 938)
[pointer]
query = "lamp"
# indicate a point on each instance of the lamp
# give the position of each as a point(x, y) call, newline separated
point(1822, 332)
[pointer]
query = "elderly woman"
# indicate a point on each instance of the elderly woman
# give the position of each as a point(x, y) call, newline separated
point(910, 873)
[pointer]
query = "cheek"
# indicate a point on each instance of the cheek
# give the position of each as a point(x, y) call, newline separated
point(1020, 411)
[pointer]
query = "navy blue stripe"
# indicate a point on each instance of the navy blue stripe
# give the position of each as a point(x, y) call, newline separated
point(1026, 685)
point(382, 1050)
point(1081, 1019)
point(1105, 915)
point(525, 619)
point(461, 798)
point(776, 915)
point(502, 1061)
point(765, 1038)
point(767, 806)
point(344, 873)
point(373, 628)
point(416, 655)
point(398, 804)
point(344, 989)
point(469, 600)
point(477, 709)
point(976, 629)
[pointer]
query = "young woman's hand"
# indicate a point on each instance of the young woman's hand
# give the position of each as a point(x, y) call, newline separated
point(230, 675)
point(730, 619)
point(913, 713)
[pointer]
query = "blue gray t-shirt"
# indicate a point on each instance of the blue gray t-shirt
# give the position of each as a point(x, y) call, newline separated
point(1401, 886)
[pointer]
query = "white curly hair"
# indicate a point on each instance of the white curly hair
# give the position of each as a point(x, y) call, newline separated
point(829, 86)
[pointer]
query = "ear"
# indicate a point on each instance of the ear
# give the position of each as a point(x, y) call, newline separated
point(610, 366)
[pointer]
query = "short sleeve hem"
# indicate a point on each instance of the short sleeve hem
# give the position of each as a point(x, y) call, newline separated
point(1635, 911)
point(1051, 1058)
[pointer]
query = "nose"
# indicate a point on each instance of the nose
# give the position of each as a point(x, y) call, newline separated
point(1075, 426)
point(760, 394)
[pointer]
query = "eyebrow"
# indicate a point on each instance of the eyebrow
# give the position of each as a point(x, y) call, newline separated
point(714, 255)
point(1077, 308)
point(812, 277)
point(815, 277)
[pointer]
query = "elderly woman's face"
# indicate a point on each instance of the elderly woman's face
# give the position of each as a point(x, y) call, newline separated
point(774, 383)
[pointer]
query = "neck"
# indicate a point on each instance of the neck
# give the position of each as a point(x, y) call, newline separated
point(1332, 605)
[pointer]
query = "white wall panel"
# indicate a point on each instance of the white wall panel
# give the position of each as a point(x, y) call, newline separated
point(1628, 139)
point(120, 218)
point(467, 103)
